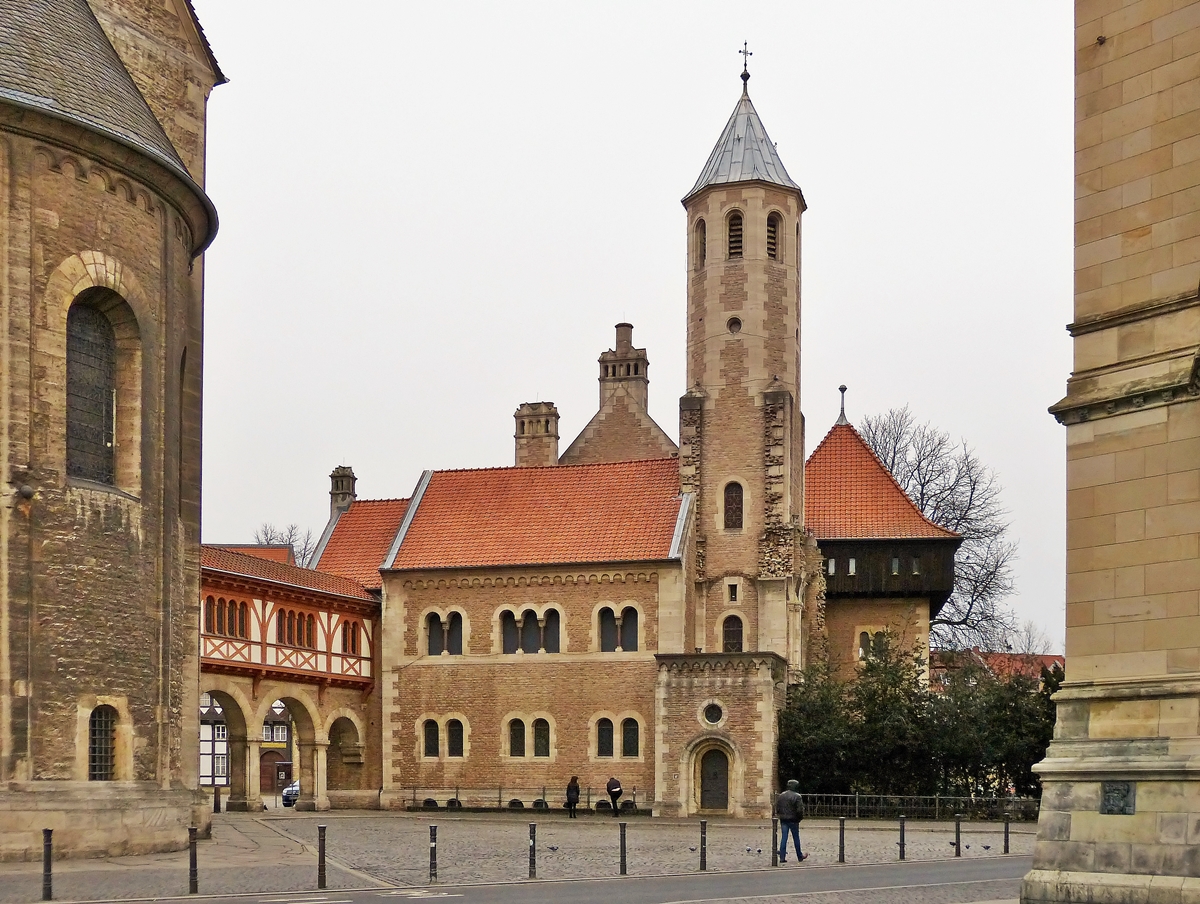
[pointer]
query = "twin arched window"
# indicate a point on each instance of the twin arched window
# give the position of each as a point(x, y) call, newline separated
point(229, 619)
point(618, 633)
point(454, 738)
point(630, 738)
point(541, 738)
point(733, 506)
point(529, 635)
point(350, 637)
point(731, 634)
point(444, 635)
point(102, 744)
point(295, 629)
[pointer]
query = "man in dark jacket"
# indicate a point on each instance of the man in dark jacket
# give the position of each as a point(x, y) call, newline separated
point(789, 809)
point(614, 791)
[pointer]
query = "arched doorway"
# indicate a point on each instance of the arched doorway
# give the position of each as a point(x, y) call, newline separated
point(714, 780)
point(223, 747)
point(345, 758)
point(267, 780)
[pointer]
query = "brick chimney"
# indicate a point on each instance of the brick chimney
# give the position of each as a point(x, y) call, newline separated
point(341, 489)
point(536, 434)
point(625, 365)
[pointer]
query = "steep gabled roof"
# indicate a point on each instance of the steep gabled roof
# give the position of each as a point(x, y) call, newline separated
point(743, 153)
point(55, 58)
point(611, 512)
point(361, 539)
point(205, 45)
point(850, 495)
point(219, 559)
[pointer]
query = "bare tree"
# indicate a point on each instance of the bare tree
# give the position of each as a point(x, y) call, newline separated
point(1031, 640)
point(955, 490)
point(303, 543)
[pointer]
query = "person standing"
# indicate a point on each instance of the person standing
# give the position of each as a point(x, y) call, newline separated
point(789, 809)
point(614, 791)
point(572, 796)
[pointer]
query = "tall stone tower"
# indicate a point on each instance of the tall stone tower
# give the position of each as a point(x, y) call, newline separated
point(1121, 780)
point(103, 218)
point(741, 431)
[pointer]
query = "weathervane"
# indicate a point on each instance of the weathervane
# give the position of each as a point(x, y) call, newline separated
point(746, 54)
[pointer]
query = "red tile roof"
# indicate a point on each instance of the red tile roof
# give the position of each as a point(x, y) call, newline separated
point(849, 494)
point(275, 552)
point(217, 558)
point(361, 540)
point(609, 512)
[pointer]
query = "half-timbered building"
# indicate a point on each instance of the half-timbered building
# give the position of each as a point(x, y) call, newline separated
point(272, 633)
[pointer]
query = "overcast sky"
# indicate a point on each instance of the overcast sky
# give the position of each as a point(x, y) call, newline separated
point(433, 212)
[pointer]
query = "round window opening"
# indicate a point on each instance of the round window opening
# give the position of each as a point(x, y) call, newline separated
point(734, 325)
point(712, 714)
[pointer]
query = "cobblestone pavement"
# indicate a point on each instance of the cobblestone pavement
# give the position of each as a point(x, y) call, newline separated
point(277, 853)
point(495, 848)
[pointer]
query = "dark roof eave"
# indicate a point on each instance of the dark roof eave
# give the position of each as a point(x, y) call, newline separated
point(29, 102)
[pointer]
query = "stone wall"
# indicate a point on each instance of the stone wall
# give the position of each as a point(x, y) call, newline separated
point(749, 690)
point(98, 598)
point(485, 688)
point(1121, 787)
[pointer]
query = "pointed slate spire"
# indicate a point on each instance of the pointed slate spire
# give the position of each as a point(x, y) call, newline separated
point(743, 153)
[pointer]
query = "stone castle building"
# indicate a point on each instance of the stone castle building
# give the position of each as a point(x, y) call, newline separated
point(103, 218)
point(671, 591)
point(1119, 819)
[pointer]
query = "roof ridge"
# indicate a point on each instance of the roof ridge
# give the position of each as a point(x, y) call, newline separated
point(384, 499)
point(589, 464)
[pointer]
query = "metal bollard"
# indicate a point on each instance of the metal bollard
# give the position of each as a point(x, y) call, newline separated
point(1006, 819)
point(624, 871)
point(774, 841)
point(193, 875)
point(957, 834)
point(216, 798)
point(320, 856)
point(47, 865)
point(841, 839)
point(901, 837)
point(433, 854)
point(533, 850)
point(703, 845)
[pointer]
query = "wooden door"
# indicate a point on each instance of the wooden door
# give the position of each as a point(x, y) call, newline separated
point(714, 781)
point(266, 775)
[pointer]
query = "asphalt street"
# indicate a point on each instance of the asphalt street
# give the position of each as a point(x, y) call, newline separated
point(928, 882)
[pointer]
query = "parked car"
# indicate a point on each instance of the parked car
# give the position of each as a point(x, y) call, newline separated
point(291, 793)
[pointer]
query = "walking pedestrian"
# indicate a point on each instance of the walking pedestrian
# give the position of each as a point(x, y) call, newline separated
point(614, 791)
point(789, 809)
point(572, 796)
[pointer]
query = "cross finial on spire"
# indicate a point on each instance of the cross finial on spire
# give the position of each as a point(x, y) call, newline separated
point(842, 417)
point(746, 54)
